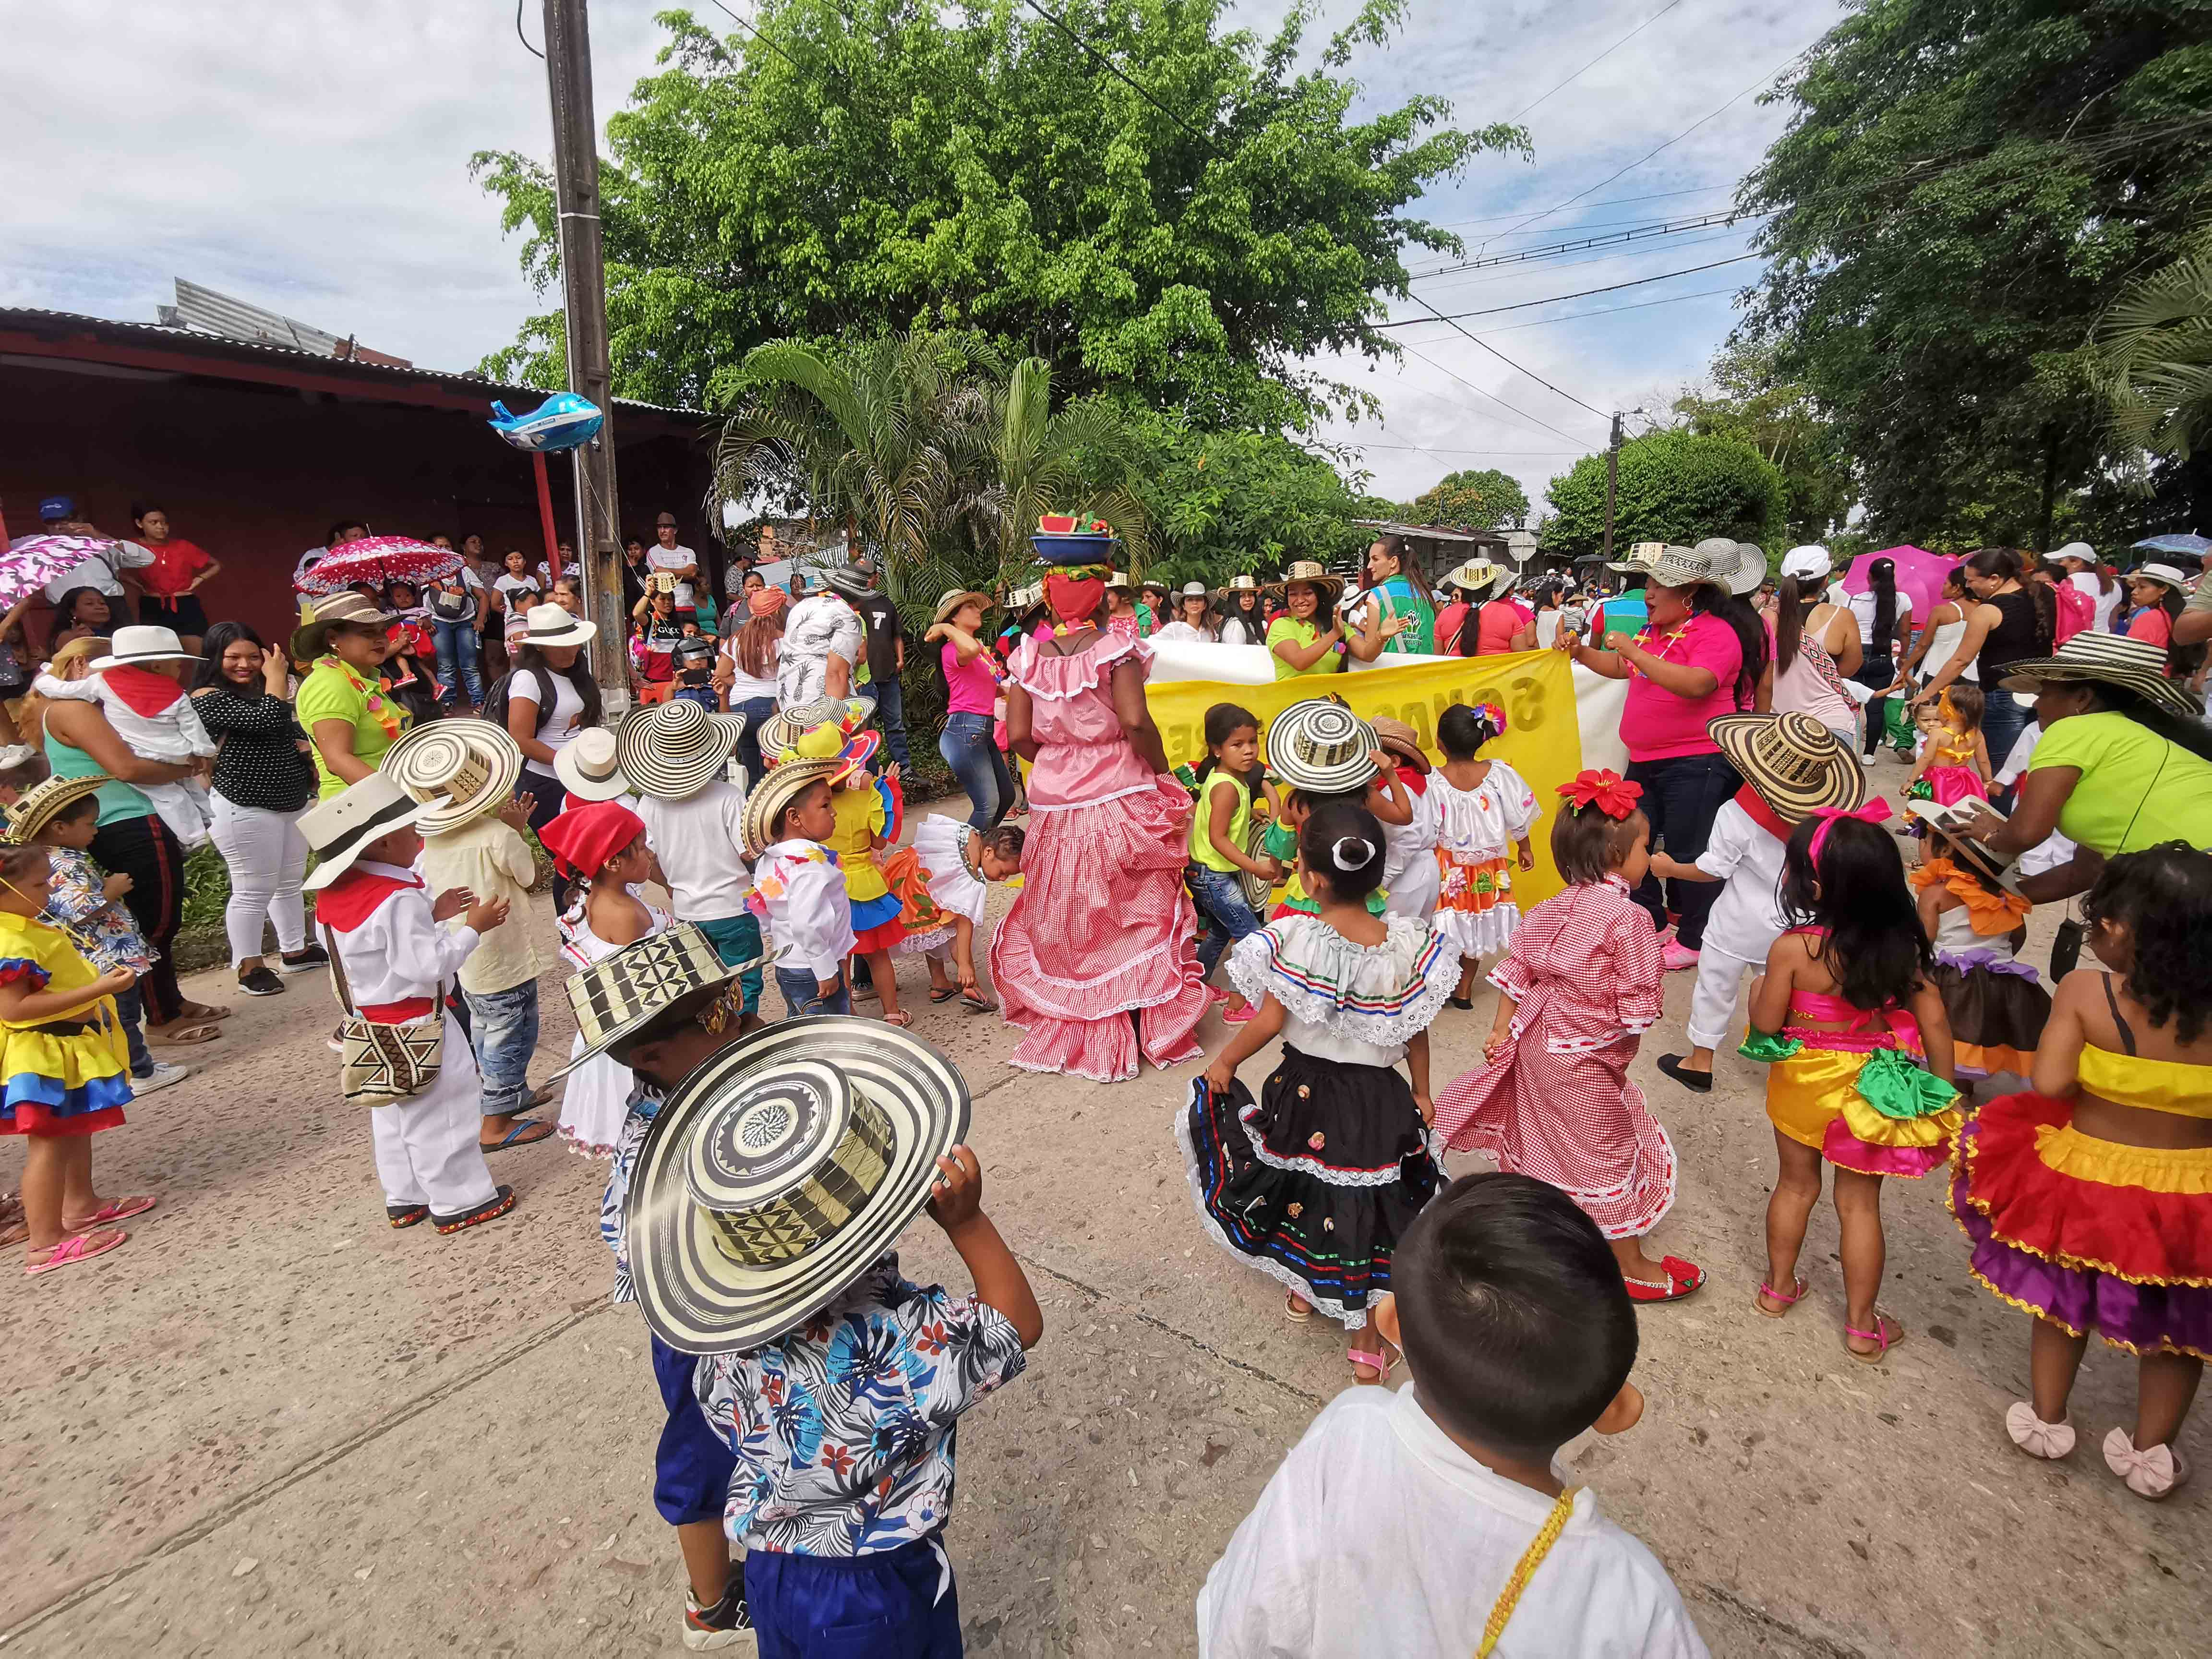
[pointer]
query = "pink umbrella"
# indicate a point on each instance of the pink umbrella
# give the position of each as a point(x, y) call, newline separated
point(34, 561)
point(1919, 573)
point(378, 560)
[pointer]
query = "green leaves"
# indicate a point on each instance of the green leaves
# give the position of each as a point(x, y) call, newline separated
point(1674, 486)
point(1473, 499)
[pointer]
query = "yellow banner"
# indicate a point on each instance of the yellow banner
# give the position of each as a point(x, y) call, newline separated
point(1536, 688)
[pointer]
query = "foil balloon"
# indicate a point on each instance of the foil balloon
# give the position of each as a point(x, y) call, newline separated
point(562, 421)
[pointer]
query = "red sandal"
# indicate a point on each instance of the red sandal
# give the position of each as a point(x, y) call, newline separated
point(1682, 1278)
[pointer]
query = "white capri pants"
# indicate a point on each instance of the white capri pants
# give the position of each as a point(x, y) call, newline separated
point(1712, 1005)
point(429, 1146)
point(268, 860)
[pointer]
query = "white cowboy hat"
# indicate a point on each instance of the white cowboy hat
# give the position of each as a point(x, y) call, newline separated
point(2166, 574)
point(338, 828)
point(133, 646)
point(459, 769)
point(549, 624)
point(1479, 574)
point(590, 766)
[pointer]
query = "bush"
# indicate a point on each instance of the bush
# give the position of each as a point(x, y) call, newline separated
point(1674, 486)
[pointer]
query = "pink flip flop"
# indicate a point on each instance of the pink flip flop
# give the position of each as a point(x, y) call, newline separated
point(77, 1247)
point(121, 1209)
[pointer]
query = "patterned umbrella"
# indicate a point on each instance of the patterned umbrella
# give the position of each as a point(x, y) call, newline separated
point(378, 560)
point(2179, 542)
point(32, 561)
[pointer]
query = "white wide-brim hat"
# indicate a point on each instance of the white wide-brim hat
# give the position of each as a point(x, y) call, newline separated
point(778, 1172)
point(590, 768)
point(338, 828)
point(136, 646)
point(674, 749)
point(549, 624)
point(2168, 575)
point(459, 768)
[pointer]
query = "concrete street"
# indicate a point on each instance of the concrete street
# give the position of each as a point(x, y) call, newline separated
point(270, 1424)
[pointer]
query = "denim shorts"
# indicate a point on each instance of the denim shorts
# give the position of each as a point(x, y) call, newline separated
point(802, 994)
point(503, 1032)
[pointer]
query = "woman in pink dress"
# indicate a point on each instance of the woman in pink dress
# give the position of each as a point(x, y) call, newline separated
point(1097, 958)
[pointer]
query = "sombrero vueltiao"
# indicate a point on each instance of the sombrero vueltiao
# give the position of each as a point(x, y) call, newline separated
point(460, 768)
point(1313, 575)
point(777, 1173)
point(2137, 666)
point(36, 808)
point(628, 988)
point(1322, 746)
point(787, 725)
point(1951, 823)
point(1796, 764)
point(674, 749)
point(766, 801)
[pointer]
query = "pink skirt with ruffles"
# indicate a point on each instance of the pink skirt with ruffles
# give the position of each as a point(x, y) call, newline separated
point(1102, 927)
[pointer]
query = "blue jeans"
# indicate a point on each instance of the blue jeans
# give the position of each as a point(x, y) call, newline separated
point(1222, 908)
point(802, 994)
point(736, 939)
point(457, 661)
point(1682, 794)
point(2003, 722)
point(131, 1013)
point(885, 1606)
point(890, 715)
point(980, 765)
point(756, 711)
point(503, 1032)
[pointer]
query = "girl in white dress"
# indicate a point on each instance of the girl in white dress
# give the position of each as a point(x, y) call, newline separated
point(959, 863)
point(602, 844)
point(1485, 810)
point(1411, 880)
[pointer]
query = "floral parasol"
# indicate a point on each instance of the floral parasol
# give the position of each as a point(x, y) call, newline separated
point(32, 561)
point(378, 560)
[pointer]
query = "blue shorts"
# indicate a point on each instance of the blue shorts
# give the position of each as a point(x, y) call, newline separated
point(692, 1464)
point(735, 940)
point(886, 1605)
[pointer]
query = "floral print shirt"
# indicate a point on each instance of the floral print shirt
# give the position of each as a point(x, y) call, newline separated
point(844, 1428)
point(629, 1141)
point(100, 927)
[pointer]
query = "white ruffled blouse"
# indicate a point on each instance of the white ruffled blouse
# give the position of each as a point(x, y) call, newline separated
point(1359, 1005)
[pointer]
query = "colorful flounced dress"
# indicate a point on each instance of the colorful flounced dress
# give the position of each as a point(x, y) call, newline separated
point(1584, 973)
point(1475, 831)
point(865, 811)
point(1315, 1183)
point(2096, 1235)
point(1995, 1003)
point(952, 887)
point(597, 1098)
point(67, 1075)
point(1103, 927)
point(1861, 1097)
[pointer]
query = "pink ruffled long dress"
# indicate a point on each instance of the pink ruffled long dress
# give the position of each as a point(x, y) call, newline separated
point(1103, 927)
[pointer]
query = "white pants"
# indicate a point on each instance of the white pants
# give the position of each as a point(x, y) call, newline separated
point(268, 860)
point(1712, 1005)
point(428, 1149)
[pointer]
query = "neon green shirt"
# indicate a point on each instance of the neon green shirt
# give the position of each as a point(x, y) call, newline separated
point(1202, 849)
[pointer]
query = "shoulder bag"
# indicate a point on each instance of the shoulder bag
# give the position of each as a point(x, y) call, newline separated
point(383, 1065)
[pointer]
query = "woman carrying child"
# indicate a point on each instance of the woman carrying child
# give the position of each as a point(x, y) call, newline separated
point(1219, 832)
point(1315, 1181)
point(1578, 988)
point(2088, 1196)
point(602, 847)
point(1849, 1015)
point(1485, 810)
point(1972, 911)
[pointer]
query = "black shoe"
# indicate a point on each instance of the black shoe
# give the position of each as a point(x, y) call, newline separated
point(490, 1210)
point(1699, 1082)
point(303, 961)
point(864, 976)
point(725, 1625)
point(259, 981)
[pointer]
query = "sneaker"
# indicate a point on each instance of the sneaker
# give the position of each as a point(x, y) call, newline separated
point(1866, 760)
point(724, 1626)
point(160, 1077)
point(1678, 955)
point(303, 961)
point(259, 981)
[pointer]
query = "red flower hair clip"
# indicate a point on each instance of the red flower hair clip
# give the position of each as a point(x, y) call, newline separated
point(1605, 789)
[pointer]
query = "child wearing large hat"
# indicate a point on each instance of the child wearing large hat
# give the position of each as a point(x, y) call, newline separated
point(799, 892)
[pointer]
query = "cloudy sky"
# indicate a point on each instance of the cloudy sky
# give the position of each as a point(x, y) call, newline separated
point(312, 157)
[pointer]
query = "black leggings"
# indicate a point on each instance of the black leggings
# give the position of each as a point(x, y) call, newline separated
point(550, 797)
point(1682, 795)
point(145, 850)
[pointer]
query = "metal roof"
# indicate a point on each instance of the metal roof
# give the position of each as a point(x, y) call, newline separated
point(1432, 532)
point(218, 346)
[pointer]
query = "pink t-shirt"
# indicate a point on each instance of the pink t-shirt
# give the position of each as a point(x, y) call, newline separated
point(970, 687)
point(1500, 621)
point(1657, 724)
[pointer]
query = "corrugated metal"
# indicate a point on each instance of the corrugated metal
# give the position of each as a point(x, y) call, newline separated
point(211, 313)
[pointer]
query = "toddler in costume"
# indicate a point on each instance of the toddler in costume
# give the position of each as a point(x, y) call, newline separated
point(63, 1059)
point(392, 963)
point(868, 809)
point(150, 711)
point(1844, 1013)
point(1485, 810)
point(960, 862)
point(1792, 766)
point(1954, 762)
point(1975, 916)
point(1437, 1522)
point(1325, 753)
point(1315, 1181)
point(602, 844)
point(2088, 1197)
point(799, 892)
point(1578, 987)
point(1411, 878)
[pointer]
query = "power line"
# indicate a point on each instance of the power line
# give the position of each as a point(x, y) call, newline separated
point(525, 39)
point(1520, 414)
point(1637, 234)
point(1603, 56)
point(1610, 201)
point(1347, 443)
point(1522, 305)
point(1497, 278)
point(1602, 311)
point(1109, 65)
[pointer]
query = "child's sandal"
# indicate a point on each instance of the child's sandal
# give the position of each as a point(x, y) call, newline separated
point(1768, 1292)
point(1297, 1309)
point(2035, 1436)
point(898, 1017)
point(943, 992)
point(1887, 1331)
point(1383, 1362)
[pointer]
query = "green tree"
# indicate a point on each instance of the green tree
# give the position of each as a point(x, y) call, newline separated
point(1674, 486)
point(866, 165)
point(1251, 501)
point(1964, 187)
point(2155, 361)
point(1746, 400)
point(1089, 458)
point(1471, 500)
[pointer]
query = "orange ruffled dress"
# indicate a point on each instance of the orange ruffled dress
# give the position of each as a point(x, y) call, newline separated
point(1995, 1003)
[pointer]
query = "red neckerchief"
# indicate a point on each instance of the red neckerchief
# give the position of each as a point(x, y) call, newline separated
point(1762, 814)
point(354, 897)
point(146, 692)
point(1416, 781)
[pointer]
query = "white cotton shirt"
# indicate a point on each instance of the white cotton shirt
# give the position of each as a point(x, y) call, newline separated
point(1183, 631)
point(2108, 605)
point(1862, 607)
point(399, 953)
point(1746, 918)
point(658, 557)
point(810, 916)
point(700, 842)
point(745, 687)
point(559, 727)
point(1380, 1538)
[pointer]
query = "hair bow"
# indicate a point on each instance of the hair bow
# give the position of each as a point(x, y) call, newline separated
point(1875, 812)
point(1603, 788)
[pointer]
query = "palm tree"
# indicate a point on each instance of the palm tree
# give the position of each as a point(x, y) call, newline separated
point(2155, 358)
point(1084, 458)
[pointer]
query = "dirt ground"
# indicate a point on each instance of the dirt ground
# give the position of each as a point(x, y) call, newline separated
point(269, 1424)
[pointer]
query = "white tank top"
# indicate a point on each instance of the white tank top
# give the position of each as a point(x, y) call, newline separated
point(1947, 636)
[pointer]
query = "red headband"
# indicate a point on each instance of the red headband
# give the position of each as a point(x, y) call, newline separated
point(1607, 790)
point(584, 838)
point(1874, 811)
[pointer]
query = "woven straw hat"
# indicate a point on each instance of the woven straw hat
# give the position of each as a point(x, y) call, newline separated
point(1401, 740)
point(778, 1172)
point(2137, 666)
point(1322, 746)
point(625, 990)
point(1314, 576)
point(34, 809)
point(460, 768)
point(954, 598)
point(338, 828)
point(1952, 822)
point(787, 725)
point(1482, 574)
point(311, 639)
point(783, 785)
point(674, 749)
point(1796, 764)
point(590, 766)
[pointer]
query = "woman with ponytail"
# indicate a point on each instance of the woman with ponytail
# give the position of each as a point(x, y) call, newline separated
point(1885, 629)
point(1315, 1183)
point(2013, 619)
point(1816, 646)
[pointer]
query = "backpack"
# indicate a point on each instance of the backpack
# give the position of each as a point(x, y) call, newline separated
point(2076, 612)
point(496, 699)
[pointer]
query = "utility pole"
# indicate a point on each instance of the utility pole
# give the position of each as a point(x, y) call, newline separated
point(584, 294)
point(1612, 481)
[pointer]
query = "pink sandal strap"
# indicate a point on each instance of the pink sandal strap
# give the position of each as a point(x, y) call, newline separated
point(1769, 1292)
point(77, 1247)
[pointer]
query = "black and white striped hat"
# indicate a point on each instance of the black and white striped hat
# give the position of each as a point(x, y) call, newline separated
point(1322, 746)
point(340, 827)
point(673, 749)
point(2137, 666)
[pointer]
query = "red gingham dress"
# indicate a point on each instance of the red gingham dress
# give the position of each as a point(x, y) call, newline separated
point(1585, 971)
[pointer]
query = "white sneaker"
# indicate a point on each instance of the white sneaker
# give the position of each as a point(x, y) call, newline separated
point(160, 1077)
point(1866, 760)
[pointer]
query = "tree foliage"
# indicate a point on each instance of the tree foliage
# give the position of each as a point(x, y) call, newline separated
point(1674, 486)
point(1743, 398)
point(859, 167)
point(1964, 187)
point(1484, 499)
point(2155, 360)
point(1230, 501)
